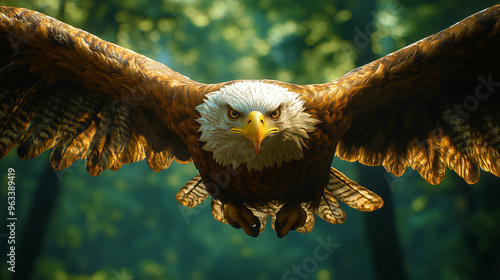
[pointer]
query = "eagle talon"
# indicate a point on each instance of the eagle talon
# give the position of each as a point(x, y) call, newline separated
point(242, 217)
point(289, 219)
point(235, 225)
point(277, 227)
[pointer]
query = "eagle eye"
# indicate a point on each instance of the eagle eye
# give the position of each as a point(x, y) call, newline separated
point(275, 114)
point(232, 114)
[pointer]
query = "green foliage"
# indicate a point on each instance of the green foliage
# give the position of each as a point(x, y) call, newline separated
point(129, 223)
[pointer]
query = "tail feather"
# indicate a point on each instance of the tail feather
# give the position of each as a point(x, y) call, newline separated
point(339, 187)
point(329, 209)
point(193, 192)
point(351, 193)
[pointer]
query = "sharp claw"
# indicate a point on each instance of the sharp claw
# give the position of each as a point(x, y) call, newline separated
point(256, 229)
point(277, 227)
point(236, 225)
point(254, 233)
point(242, 217)
point(302, 219)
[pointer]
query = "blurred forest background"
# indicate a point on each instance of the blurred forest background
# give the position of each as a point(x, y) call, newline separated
point(128, 225)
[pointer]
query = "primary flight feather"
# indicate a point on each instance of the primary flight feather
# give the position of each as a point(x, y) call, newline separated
point(262, 148)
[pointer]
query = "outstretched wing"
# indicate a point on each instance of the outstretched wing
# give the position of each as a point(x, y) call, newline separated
point(432, 104)
point(66, 89)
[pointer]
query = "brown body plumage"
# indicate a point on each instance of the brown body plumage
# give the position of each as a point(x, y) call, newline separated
point(433, 104)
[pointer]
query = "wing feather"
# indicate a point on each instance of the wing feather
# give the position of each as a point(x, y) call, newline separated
point(433, 104)
point(66, 89)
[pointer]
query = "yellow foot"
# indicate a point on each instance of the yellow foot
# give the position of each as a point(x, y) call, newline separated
point(289, 219)
point(242, 217)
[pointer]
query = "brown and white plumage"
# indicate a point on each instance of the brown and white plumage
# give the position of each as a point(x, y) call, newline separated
point(431, 105)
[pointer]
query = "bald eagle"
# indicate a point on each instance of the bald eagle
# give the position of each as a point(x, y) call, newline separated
point(262, 147)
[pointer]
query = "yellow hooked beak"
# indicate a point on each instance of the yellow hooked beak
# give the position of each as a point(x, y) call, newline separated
point(255, 129)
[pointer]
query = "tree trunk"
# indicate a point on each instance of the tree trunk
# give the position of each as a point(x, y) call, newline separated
point(381, 229)
point(36, 225)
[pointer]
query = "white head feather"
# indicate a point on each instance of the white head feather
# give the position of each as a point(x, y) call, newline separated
point(245, 97)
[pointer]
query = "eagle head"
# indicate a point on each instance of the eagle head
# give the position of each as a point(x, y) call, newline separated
point(254, 123)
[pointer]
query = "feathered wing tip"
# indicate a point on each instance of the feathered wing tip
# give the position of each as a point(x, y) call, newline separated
point(84, 97)
point(349, 192)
